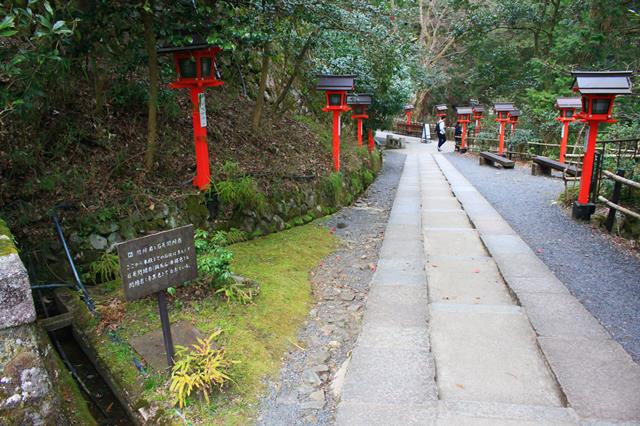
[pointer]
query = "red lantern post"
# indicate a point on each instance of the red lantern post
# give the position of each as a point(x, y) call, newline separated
point(408, 111)
point(441, 110)
point(478, 112)
point(502, 110)
point(598, 90)
point(513, 119)
point(359, 104)
point(371, 141)
point(336, 87)
point(464, 117)
point(567, 107)
point(196, 69)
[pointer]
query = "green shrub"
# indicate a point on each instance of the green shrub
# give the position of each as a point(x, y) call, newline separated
point(216, 266)
point(367, 177)
point(128, 95)
point(333, 188)
point(241, 193)
point(105, 268)
point(199, 369)
point(376, 161)
point(232, 236)
point(356, 183)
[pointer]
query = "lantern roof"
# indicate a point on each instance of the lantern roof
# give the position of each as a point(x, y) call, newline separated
point(602, 82)
point(478, 108)
point(335, 82)
point(514, 113)
point(359, 99)
point(562, 103)
point(198, 43)
point(503, 107)
point(441, 107)
point(408, 107)
point(464, 110)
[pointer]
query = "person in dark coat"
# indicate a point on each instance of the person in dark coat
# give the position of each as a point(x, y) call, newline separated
point(458, 135)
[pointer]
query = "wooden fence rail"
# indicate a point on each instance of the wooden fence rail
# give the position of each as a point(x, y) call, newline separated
point(614, 203)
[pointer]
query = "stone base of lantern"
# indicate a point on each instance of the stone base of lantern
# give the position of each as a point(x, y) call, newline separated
point(583, 211)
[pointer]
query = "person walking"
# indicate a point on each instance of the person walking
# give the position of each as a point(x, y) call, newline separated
point(457, 135)
point(442, 137)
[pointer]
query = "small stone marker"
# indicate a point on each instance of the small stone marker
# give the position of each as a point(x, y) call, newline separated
point(154, 263)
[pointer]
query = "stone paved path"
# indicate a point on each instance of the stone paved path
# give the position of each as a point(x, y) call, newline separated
point(465, 325)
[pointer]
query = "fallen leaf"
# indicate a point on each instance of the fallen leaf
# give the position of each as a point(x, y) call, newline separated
point(460, 385)
point(476, 271)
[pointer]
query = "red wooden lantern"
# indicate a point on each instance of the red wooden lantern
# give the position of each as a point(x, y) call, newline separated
point(336, 87)
point(598, 90)
point(513, 119)
point(408, 110)
point(478, 113)
point(441, 110)
point(464, 117)
point(567, 107)
point(359, 104)
point(196, 69)
point(502, 110)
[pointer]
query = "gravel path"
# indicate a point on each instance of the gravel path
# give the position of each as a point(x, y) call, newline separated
point(603, 277)
point(302, 394)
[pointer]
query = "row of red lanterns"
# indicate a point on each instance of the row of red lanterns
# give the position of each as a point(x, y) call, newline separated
point(196, 69)
point(598, 90)
point(338, 100)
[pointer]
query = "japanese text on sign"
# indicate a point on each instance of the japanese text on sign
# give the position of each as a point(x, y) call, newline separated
point(156, 262)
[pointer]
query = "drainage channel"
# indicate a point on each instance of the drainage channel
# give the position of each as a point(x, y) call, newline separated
point(102, 402)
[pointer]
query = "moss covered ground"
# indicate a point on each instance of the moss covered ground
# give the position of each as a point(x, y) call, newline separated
point(255, 335)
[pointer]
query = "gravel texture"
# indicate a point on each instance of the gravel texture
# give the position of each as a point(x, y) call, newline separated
point(303, 394)
point(602, 276)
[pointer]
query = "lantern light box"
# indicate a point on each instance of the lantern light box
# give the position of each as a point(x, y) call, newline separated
point(567, 107)
point(336, 88)
point(441, 110)
point(502, 110)
point(196, 70)
point(464, 117)
point(598, 90)
point(359, 104)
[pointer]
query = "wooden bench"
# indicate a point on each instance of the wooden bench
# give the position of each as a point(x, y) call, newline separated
point(543, 165)
point(394, 142)
point(492, 158)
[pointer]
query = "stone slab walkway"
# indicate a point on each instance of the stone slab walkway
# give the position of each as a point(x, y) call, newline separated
point(465, 325)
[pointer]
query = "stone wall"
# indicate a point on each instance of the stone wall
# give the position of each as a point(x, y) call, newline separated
point(29, 372)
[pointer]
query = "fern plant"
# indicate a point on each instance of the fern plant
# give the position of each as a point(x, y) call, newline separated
point(238, 292)
point(105, 268)
point(199, 368)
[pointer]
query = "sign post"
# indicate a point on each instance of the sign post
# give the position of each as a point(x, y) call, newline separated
point(154, 263)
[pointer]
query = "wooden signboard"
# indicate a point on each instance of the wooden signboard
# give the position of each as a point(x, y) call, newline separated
point(151, 264)
point(156, 262)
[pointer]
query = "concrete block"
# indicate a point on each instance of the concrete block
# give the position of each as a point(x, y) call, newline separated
point(560, 315)
point(358, 414)
point(489, 353)
point(16, 302)
point(440, 203)
point(397, 306)
point(452, 243)
point(491, 413)
point(393, 337)
point(599, 379)
point(390, 376)
point(458, 219)
point(550, 284)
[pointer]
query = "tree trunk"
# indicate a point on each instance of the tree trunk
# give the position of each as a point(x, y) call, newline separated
point(296, 69)
point(264, 73)
point(150, 43)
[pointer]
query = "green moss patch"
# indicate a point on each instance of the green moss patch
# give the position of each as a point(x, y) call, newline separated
point(256, 335)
